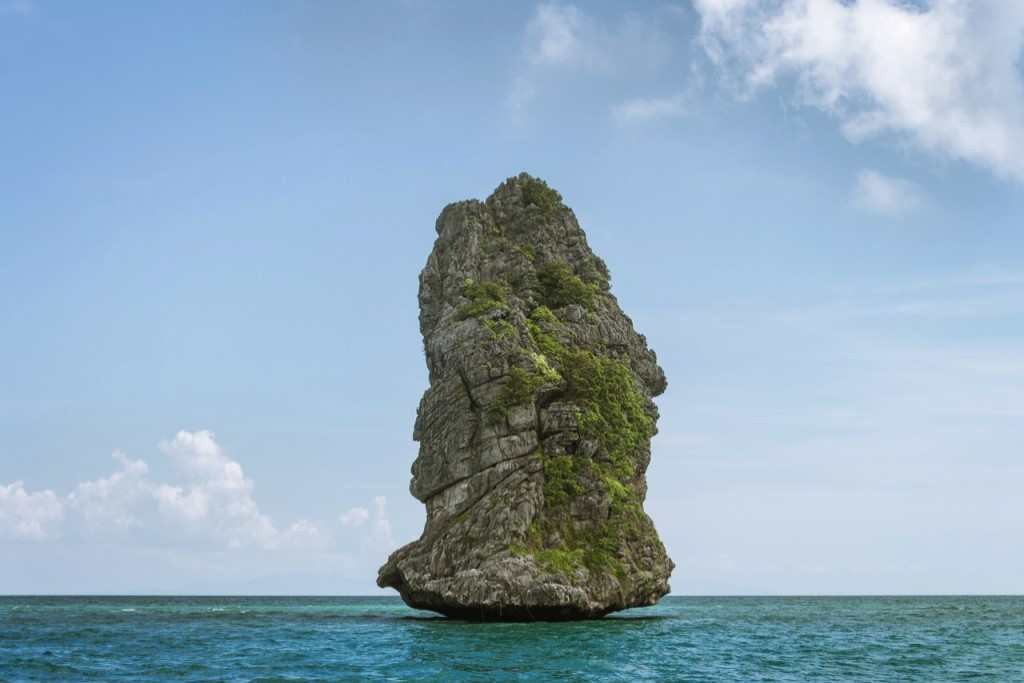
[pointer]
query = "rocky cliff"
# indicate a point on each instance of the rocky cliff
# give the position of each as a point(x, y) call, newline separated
point(535, 431)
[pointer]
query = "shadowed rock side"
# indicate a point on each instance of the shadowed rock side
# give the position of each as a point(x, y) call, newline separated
point(535, 431)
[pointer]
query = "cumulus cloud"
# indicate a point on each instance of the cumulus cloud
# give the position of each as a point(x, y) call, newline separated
point(200, 520)
point(28, 515)
point(212, 503)
point(644, 110)
point(113, 501)
point(219, 495)
point(886, 195)
point(944, 75)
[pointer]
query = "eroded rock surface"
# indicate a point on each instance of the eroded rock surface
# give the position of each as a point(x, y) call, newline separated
point(535, 431)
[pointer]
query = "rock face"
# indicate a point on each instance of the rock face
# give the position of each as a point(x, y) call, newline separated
point(535, 431)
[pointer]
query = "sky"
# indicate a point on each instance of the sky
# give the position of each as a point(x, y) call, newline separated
point(213, 216)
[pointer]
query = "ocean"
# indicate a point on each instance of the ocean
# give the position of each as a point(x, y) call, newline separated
point(871, 639)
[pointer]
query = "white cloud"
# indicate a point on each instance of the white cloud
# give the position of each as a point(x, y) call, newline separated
point(884, 194)
point(945, 76)
point(199, 528)
point(113, 501)
point(643, 110)
point(211, 507)
point(214, 503)
point(560, 39)
point(555, 36)
point(355, 518)
point(176, 502)
point(375, 528)
point(305, 534)
point(219, 496)
point(28, 515)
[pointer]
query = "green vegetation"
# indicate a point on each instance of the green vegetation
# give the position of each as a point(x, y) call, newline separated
point(521, 387)
point(617, 490)
point(561, 479)
point(528, 251)
point(523, 383)
point(597, 551)
point(541, 367)
point(543, 314)
point(519, 550)
point(557, 560)
point(541, 325)
point(484, 297)
point(561, 561)
point(499, 329)
point(595, 272)
point(612, 413)
point(537, 192)
point(560, 286)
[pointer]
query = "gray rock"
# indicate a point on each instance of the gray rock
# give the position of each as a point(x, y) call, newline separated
point(535, 431)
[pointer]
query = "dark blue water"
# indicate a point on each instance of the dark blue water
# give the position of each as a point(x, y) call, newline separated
point(379, 639)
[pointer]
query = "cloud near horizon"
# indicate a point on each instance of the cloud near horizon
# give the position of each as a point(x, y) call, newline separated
point(212, 506)
point(28, 515)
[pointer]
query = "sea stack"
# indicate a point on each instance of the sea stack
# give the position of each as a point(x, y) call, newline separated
point(535, 430)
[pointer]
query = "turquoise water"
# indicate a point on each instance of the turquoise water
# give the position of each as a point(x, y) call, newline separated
point(379, 639)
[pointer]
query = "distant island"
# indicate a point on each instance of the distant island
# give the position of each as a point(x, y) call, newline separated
point(535, 431)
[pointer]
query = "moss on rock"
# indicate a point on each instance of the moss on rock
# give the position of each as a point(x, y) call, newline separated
point(560, 286)
point(537, 193)
point(484, 297)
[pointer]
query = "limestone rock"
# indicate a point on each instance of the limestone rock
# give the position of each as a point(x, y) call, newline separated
point(535, 431)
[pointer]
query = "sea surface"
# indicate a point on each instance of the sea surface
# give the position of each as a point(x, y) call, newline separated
point(379, 639)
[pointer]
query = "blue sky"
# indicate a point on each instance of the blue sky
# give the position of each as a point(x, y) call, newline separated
point(214, 214)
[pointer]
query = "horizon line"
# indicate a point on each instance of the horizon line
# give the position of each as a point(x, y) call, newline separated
point(398, 597)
